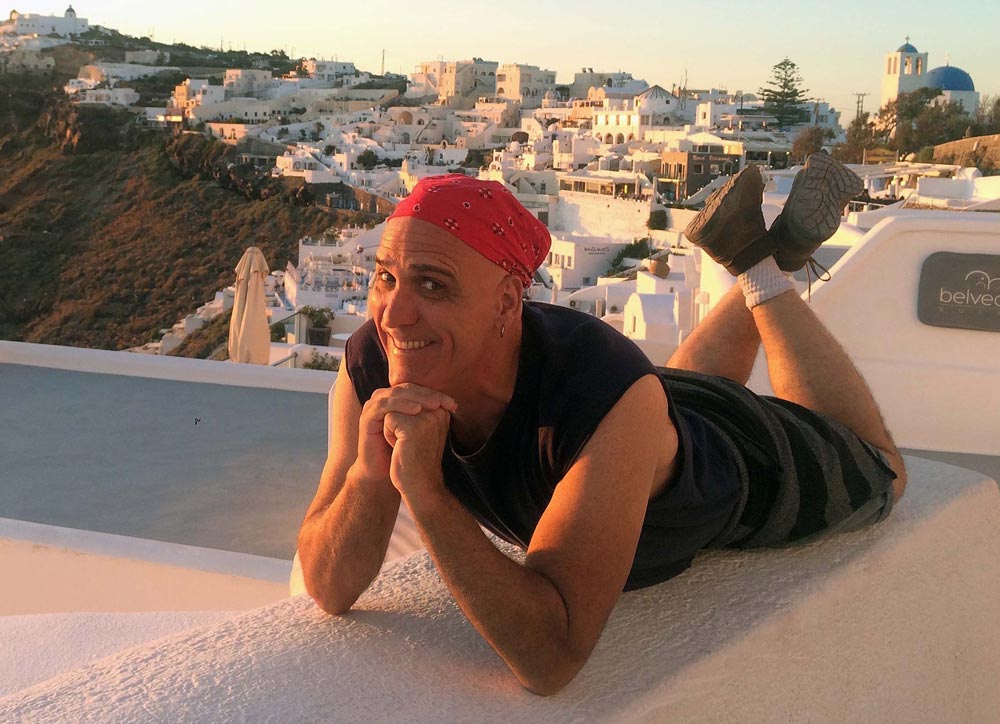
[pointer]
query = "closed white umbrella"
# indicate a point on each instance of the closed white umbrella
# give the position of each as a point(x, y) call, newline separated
point(249, 335)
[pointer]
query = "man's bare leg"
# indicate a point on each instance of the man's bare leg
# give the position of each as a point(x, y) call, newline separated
point(808, 366)
point(725, 343)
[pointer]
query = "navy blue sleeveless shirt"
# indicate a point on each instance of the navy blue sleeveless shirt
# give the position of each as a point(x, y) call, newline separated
point(573, 368)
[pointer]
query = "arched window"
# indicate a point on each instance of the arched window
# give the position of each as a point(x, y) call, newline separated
point(620, 139)
point(609, 139)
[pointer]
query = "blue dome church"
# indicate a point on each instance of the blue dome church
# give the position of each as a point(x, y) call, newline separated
point(906, 70)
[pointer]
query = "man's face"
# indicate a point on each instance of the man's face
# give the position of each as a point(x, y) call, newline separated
point(435, 302)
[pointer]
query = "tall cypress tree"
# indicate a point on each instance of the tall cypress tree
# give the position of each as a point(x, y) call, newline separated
point(784, 96)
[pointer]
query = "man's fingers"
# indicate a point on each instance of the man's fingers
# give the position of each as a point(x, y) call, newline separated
point(428, 398)
point(376, 409)
point(406, 399)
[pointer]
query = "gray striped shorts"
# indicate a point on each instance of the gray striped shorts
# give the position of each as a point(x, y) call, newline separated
point(804, 474)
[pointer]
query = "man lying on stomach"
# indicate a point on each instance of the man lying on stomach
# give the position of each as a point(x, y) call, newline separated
point(549, 428)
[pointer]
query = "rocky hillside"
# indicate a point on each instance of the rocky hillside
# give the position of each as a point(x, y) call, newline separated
point(109, 232)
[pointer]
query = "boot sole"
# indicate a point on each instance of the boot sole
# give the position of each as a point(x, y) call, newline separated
point(819, 214)
point(710, 217)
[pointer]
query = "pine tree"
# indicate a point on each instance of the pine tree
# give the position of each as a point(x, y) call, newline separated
point(784, 97)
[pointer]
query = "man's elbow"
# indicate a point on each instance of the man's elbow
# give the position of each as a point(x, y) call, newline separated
point(333, 605)
point(324, 585)
point(550, 678)
point(333, 599)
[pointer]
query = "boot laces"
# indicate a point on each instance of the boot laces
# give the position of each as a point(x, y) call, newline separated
point(814, 268)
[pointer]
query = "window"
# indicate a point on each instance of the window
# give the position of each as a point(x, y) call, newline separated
point(586, 281)
point(569, 262)
point(714, 168)
point(697, 168)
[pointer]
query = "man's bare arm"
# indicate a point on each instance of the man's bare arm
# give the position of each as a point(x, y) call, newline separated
point(545, 617)
point(346, 531)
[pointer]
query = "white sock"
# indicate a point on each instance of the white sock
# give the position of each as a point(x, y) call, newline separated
point(763, 281)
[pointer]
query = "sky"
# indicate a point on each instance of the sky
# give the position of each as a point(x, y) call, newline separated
point(839, 47)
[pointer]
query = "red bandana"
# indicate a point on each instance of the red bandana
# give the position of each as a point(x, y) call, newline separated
point(483, 215)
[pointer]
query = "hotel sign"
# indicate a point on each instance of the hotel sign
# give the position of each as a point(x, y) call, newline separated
point(960, 291)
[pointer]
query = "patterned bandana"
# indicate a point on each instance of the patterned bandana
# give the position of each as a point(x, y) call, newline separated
point(483, 215)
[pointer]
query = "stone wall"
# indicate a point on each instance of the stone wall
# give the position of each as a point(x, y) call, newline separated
point(981, 151)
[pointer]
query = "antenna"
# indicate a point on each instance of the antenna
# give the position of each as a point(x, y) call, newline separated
point(381, 70)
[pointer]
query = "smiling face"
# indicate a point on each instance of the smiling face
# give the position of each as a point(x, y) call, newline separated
point(437, 305)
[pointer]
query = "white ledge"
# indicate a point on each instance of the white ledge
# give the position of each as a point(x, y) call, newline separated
point(895, 623)
point(182, 369)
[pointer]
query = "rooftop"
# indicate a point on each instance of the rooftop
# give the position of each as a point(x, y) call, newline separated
point(200, 463)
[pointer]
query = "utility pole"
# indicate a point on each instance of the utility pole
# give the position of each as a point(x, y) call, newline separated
point(381, 70)
point(860, 104)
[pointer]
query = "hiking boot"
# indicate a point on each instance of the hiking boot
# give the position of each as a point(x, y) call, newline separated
point(812, 212)
point(730, 228)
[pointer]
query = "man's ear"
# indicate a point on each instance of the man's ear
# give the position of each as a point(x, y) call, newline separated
point(511, 291)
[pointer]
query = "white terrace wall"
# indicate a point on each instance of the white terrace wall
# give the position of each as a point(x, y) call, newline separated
point(604, 216)
point(893, 624)
point(165, 368)
point(939, 387)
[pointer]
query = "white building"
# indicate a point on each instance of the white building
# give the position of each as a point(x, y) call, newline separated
point(620, 120)
point(329, 72)
point(587, 78)
point(107, 96)
point(905, 71)
point(247, 83)
point(333, 272)
point(32, 24)
point(526, 84)
point(193, 93)
point(577, 261)
point(751, 116)
point(305, 164)
point(456, 83)
point(102, 72)
point(610, 204)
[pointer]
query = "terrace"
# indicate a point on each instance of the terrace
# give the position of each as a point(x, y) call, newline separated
point(150, 507)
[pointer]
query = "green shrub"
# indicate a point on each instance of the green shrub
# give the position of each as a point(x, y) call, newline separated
point(322, 361)
point(657, 220)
